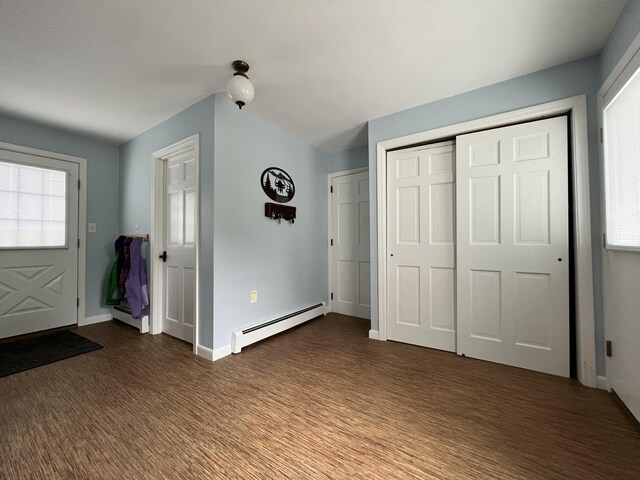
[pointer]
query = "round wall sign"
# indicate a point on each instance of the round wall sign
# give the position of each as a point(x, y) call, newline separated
point(278, 185)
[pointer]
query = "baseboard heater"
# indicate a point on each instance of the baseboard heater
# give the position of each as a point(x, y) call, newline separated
point(243, 338)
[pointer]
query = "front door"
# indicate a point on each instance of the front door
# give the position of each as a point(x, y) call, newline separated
point(38, 243)
point(179, 272)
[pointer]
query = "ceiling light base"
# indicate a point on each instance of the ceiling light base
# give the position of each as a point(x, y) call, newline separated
point(240, 66)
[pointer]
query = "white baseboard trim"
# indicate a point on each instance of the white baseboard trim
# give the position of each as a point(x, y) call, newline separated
point(374, 334)
point(221, 352)
point(602, 383)
point(213, 355)
point(204, 352)
point(95, 319)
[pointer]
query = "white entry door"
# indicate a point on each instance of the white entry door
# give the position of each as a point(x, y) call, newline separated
point(512, 246)
point(38, 243)
point(350, 262)
point(179, 269)
point(420, 246)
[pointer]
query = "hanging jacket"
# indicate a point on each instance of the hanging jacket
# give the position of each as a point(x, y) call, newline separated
point(136, 284)
point(113, 292)
point(123, 271)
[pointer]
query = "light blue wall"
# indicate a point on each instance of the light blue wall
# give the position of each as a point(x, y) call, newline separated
point(347, 159)
point(627, 28)
point(576, 78)
point(135, 190)
point(286, 263)
point(240, 250)
point(102, 195)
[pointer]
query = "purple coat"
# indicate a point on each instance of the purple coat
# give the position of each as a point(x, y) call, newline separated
point(136, 285)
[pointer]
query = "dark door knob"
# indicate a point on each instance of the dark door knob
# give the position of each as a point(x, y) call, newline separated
point(163, 256)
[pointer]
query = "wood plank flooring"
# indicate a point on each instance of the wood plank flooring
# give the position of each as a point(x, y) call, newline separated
point(320, 401)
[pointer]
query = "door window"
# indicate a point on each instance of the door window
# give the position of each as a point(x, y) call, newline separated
point(33, 206)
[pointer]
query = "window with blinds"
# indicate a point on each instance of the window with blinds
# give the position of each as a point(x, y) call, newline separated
point(33, 207)
point(621, 130)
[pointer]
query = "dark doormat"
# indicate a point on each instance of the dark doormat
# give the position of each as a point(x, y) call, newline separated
point(33, 352)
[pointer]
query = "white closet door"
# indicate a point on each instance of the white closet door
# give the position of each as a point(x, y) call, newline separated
point(512, 246)
point(180, 241)
point(420, 246)
point(351, 267)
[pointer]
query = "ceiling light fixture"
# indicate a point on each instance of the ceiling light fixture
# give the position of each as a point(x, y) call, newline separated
point(239, 88)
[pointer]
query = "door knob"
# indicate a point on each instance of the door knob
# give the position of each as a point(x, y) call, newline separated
point(163, 256)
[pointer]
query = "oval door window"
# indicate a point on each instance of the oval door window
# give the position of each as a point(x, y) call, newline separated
point(278, 185)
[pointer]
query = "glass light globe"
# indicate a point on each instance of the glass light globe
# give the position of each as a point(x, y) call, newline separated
point(240, 90)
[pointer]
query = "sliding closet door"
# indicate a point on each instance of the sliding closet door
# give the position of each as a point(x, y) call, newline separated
point(420, 246)
point(512, 246)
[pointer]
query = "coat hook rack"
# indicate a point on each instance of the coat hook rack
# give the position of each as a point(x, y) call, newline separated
point(280, 212)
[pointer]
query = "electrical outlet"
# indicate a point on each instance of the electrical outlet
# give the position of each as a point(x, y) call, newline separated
point(92, 228)
point(253, 295)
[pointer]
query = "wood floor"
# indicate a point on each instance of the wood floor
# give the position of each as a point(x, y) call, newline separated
point(321, 401)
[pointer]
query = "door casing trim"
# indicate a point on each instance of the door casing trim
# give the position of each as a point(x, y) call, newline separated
point(576, 108)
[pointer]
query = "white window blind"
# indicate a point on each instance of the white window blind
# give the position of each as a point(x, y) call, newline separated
point(622, 166)
point(33, 206)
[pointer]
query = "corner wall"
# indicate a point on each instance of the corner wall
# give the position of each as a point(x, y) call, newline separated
point(285, 263)
point(136, 184)
point(102, 196)
point(347, 159)
point(626, 29)
point(568, 80)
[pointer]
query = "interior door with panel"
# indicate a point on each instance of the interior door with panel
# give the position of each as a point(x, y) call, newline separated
point(421, 246)
point(38, 243)
point(513, 246)
point(350, 262)
point(179, 274)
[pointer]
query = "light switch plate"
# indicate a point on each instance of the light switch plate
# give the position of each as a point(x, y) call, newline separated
point(92, 228)
point(253, 295)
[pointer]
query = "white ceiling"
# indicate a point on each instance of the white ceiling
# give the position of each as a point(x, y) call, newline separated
point(321, 68)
